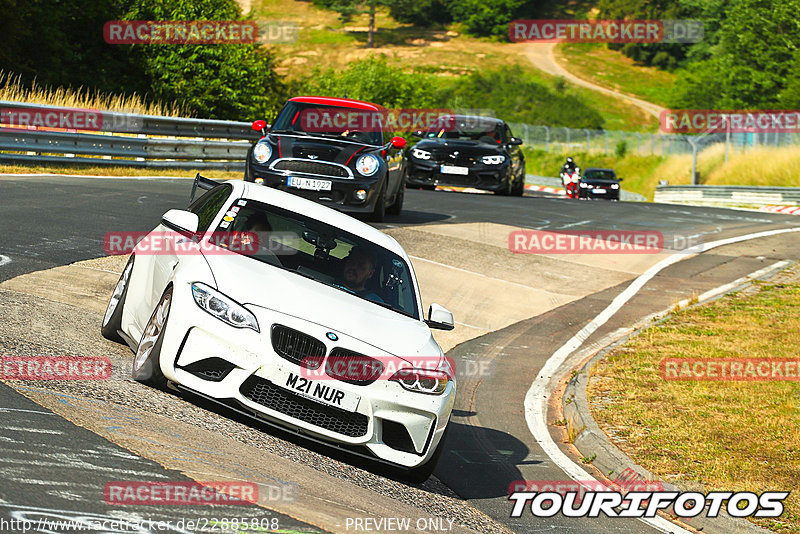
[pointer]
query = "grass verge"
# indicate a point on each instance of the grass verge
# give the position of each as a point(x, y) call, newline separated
point(610, 68)
point(731, 436)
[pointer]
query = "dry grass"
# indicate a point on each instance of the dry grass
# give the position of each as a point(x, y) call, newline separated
point(12, 89)
point(732, 436)
point(760, 166)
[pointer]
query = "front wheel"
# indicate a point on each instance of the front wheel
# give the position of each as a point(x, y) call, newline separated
point(112, 320)
point(397, 206)
point(518, 188)
point(146, 365)
point(418, 475)
point(379, 211)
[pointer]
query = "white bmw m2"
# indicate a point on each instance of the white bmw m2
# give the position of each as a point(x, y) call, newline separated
point(316, 326)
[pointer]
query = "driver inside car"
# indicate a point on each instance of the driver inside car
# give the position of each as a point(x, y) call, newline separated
point(358, 270)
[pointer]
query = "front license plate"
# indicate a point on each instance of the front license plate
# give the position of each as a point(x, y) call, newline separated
point(598, 191)
point(308, 183)
point(453, 169)
point(322, 391)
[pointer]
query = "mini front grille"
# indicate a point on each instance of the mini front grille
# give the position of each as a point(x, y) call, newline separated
point(284, 401)
point(352, 367)
point(312, 167)
point(295, 346)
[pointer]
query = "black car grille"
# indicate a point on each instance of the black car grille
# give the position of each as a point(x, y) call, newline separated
point(447, 158)
point(297, 347)
point(312, 167)
point(281, 400)
point(352, 367)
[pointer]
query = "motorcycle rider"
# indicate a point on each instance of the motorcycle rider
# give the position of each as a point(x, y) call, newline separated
point(567, 170)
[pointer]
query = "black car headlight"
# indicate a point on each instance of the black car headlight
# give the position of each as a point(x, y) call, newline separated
point(420, 154)
point(262, 152)
point(493, 160)
point(367, 165)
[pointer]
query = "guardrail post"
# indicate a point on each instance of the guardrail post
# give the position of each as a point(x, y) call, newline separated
point(547, 139)
point(606, 132)
point(567, 134)
point(588, 139)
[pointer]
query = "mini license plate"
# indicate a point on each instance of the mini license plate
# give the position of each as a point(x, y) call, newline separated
point(308, 183)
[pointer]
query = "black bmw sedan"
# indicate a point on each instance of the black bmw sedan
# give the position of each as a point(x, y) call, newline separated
point(335, 151)
point(467, 151)
point(599, 183)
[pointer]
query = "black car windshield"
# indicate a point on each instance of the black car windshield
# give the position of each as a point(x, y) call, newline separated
point(321, 252)
point(348, 124)
point(466, 128)
point(599, 174)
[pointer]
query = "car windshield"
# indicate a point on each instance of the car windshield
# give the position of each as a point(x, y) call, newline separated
point(348, 124)
point(321, 252)
point(599, 174)
point(466, 128)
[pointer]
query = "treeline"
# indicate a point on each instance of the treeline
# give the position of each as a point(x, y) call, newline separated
point(60, 43)
point(749, 56)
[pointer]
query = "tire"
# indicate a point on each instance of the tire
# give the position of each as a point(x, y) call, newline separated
point(428, 187)
point(397, 206)
point(112, 320)
point(518, 188)
point(146, 366)
point(505, 190)
point(379, 211)
point(418, 475)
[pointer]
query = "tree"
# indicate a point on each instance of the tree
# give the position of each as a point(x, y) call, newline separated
point(347, 9)
point(224, 81)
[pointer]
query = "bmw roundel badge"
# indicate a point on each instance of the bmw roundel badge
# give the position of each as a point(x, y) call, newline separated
point(332, 336)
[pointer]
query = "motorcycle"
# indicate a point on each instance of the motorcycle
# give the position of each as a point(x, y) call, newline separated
point(571, 181)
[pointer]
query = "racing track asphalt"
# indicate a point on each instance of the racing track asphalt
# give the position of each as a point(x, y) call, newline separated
point(50, 221)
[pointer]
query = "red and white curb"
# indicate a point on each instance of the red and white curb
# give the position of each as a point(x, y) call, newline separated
point(793, 210)
point(528, 187)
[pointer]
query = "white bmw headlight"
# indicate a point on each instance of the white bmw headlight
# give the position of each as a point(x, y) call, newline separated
point(367, 165)
point(223, 307)
point(493, 160)
point(420, 154)
point(262, 152)
point(429, 381)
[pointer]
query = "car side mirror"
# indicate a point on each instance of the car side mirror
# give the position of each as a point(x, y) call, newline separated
point(398, 142)
point(260, 126)
point(620, 179)
point(183, 222)
point(439, 318)
point(514, 141)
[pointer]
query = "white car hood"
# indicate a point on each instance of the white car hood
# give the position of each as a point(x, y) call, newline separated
point(254, 283)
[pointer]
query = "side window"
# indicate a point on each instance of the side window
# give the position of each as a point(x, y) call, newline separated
point(508, 134)
point(208, 205)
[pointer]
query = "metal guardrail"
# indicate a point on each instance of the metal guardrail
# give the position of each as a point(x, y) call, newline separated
point(739, 195)
point(211, 144)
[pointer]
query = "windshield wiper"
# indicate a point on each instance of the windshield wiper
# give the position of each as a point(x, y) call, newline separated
point(288, 131)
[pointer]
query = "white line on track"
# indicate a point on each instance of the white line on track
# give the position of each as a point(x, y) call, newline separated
point(536, 399)
point(4, 260)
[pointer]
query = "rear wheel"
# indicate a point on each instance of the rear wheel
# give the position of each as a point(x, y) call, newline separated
point(112, 320)
point(146, 366)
